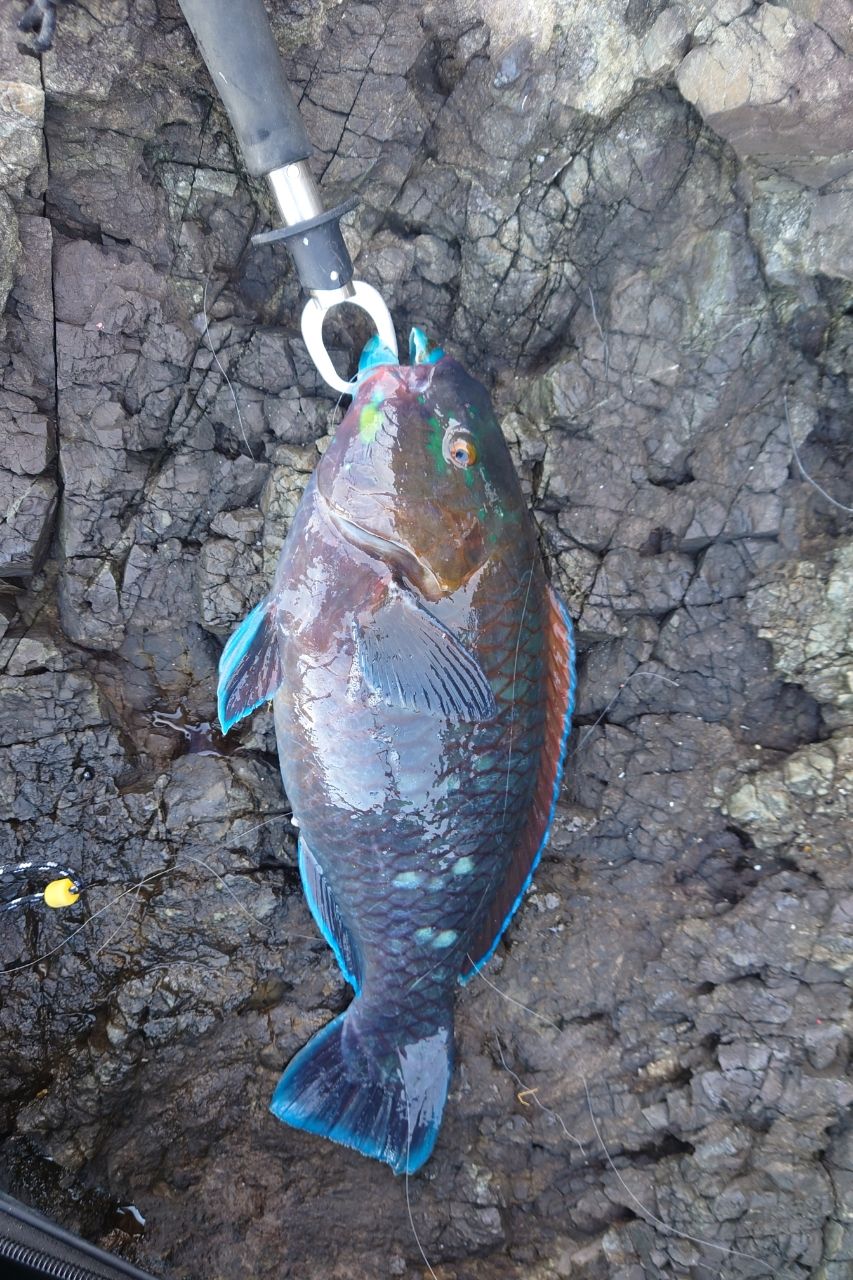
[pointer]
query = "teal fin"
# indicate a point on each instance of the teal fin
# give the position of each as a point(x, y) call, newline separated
point(419, 352)
point(325, 910)
point(409, 659)
point(375, 353)
point(250, 666)
point(561, 679)
point(389, 1109)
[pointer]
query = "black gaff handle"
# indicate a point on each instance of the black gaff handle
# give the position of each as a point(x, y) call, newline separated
point(237, 44)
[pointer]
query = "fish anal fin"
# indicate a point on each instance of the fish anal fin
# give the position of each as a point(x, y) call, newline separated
point(560, 676)
point(250, 669)
point(325, 910)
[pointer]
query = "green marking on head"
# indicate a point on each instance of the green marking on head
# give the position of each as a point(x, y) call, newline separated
point(368, 423)
point(370, 418)
point(435, 444)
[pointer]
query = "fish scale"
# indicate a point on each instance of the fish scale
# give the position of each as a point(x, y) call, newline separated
point(422, 675)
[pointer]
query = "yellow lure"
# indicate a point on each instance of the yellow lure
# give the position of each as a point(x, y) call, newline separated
point(61, 893)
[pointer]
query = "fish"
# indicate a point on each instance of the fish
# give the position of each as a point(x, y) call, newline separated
point(421, 669)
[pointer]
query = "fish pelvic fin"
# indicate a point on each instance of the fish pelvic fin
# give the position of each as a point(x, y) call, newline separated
point(389, 1109)
point(250, 666)
point(329, 918)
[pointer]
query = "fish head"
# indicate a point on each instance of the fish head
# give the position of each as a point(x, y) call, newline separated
point(419, 475)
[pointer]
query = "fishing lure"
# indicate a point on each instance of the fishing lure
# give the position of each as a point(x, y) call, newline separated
point(61, 891)
point(422, 674)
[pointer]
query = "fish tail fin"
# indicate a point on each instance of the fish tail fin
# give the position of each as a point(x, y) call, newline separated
point(388, 1108)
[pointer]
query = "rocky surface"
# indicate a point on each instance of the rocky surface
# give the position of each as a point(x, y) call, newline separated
point(635, 222)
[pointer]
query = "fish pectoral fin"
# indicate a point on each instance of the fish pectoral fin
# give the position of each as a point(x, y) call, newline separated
point(560, 695)
point(324, 908)
point(410, 659)
point(250, 666)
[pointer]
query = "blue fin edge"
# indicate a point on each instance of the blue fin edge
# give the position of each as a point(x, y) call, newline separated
point(419, 351)
point(558, 781)
point(302, 1119)
point(230, 659)
point(322, 926)
point(375, 355)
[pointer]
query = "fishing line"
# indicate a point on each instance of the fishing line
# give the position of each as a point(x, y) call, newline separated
point(601, 333)
point(805, 474)
point(647, 1214)
point(155, 875)
point(635, 675)
point(221, 369)
point(427, 1262)
point(525, 1092)
point(136, 892)
point(150, 879)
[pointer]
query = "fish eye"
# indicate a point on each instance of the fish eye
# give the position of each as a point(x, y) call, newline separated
point(460, 449)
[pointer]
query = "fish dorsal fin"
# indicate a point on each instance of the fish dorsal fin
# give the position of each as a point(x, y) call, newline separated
point(560, 677)
point(250, 666)
point(325, 910)
point(410, 659)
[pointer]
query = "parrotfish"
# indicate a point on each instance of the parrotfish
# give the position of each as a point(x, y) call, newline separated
point(421, 669)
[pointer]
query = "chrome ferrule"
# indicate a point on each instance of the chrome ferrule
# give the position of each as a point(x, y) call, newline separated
point(295, 192)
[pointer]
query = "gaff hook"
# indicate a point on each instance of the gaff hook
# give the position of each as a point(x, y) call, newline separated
point(317, 308)
point(245, 67)
point(315, 241)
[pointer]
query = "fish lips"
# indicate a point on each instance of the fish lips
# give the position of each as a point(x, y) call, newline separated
point(394, 554)
point(403, 560)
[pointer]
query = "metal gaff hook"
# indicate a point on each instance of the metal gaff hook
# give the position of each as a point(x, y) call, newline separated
point(357, 294)
point(246, 69)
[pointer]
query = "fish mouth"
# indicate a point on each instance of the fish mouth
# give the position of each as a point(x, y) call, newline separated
point(395, 554)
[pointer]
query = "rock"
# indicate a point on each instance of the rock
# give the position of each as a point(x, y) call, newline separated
point(803, 232)
point(780, 90)
point(21, 130)
point(27, 506)
point(797, 808)
point(230, 583)
point(804, 610)
point(435, 260)
point(668, 40)
point(832, 16)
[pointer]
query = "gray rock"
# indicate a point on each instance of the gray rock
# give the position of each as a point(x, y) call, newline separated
point(668, 40)
point(804, 610)
point(803, 232)
point(27, 507)
point(779, 89)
